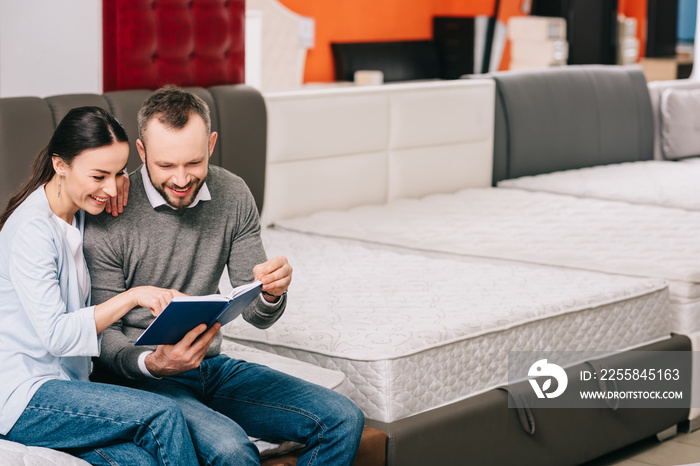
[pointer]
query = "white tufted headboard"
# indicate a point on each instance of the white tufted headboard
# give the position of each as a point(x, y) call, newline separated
point(342, 146)
point(283, 48)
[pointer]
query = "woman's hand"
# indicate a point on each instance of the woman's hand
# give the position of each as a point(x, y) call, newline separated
point(115, 205)
point(150, 297)
point(153, 298)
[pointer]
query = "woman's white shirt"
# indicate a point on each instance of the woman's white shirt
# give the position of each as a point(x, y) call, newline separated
point(75, 244)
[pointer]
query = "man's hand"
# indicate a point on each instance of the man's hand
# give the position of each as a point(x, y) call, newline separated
point(183, 356)
point(275, 275)
point(115, 205)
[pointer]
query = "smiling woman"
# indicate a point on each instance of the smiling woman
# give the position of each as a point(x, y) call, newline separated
point(82, 131)
point(89, 181)
point(49, 330)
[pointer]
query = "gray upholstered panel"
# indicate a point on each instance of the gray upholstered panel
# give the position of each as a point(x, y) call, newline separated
point(125, 105)
point(243, 134)
point(209, 99)
point(26, 125)
point(570, 117)
point(62, 104)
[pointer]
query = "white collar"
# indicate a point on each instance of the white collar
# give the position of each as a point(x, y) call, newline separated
point(155, 198)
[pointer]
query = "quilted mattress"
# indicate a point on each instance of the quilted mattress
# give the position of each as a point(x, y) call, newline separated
point(16, 454)
point(653, 182)
point(412, 332)
point(539, 228)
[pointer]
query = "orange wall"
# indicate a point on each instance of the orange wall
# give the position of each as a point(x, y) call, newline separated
point(636, 9)
point(385, 20)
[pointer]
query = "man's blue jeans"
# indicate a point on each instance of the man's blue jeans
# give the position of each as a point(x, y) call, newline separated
point(225, 400)
point(105, 425)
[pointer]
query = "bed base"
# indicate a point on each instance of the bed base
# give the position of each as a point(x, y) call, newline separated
point(485, 431)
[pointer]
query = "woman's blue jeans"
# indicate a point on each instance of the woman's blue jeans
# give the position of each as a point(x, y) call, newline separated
point(105, 425)
point(225, 400)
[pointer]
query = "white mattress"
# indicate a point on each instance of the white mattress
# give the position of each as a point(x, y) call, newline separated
point(413, 333)
point(16, 454)
point(653, 182)
point(540, 228)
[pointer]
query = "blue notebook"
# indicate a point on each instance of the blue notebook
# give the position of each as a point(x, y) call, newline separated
point(186, 312)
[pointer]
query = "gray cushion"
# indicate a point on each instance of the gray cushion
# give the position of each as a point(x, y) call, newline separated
point(125, 105)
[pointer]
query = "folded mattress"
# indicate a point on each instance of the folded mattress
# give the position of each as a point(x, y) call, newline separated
point(652, 182)
point(412, 332)
point(539, 228)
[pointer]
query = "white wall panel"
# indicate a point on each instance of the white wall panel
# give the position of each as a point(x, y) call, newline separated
point(50, 47)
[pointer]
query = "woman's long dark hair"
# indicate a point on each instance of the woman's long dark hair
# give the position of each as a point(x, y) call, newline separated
point(81, 129)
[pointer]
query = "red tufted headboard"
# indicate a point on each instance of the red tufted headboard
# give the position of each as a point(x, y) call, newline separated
point(149, 43)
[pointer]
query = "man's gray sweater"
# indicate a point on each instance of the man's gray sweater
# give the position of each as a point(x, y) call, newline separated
point(181, 249)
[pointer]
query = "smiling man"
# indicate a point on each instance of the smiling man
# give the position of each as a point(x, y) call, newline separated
point(178, 169)
point(185, 222)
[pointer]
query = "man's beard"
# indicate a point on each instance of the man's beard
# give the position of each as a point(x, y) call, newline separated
point(182, 205)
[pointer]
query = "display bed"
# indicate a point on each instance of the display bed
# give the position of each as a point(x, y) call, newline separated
point(423, 342)
point(652, 182)
point(412, 333)
point(540, 228)
point(592, 131)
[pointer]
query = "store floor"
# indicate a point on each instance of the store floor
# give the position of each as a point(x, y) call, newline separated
point(683, 449)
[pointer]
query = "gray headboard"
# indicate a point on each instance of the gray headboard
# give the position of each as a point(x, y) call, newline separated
point(238, 115)
point(570, 117)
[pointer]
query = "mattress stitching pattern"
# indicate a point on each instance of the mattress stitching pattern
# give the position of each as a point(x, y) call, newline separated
point(651, 182)
point(538, 228)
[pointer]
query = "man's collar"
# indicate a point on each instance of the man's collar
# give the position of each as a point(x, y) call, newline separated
point(157, 200)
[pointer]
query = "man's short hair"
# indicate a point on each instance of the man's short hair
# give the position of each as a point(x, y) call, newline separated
point(172, 106)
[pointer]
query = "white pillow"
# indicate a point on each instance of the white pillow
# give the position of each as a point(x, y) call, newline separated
point(680, 123)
